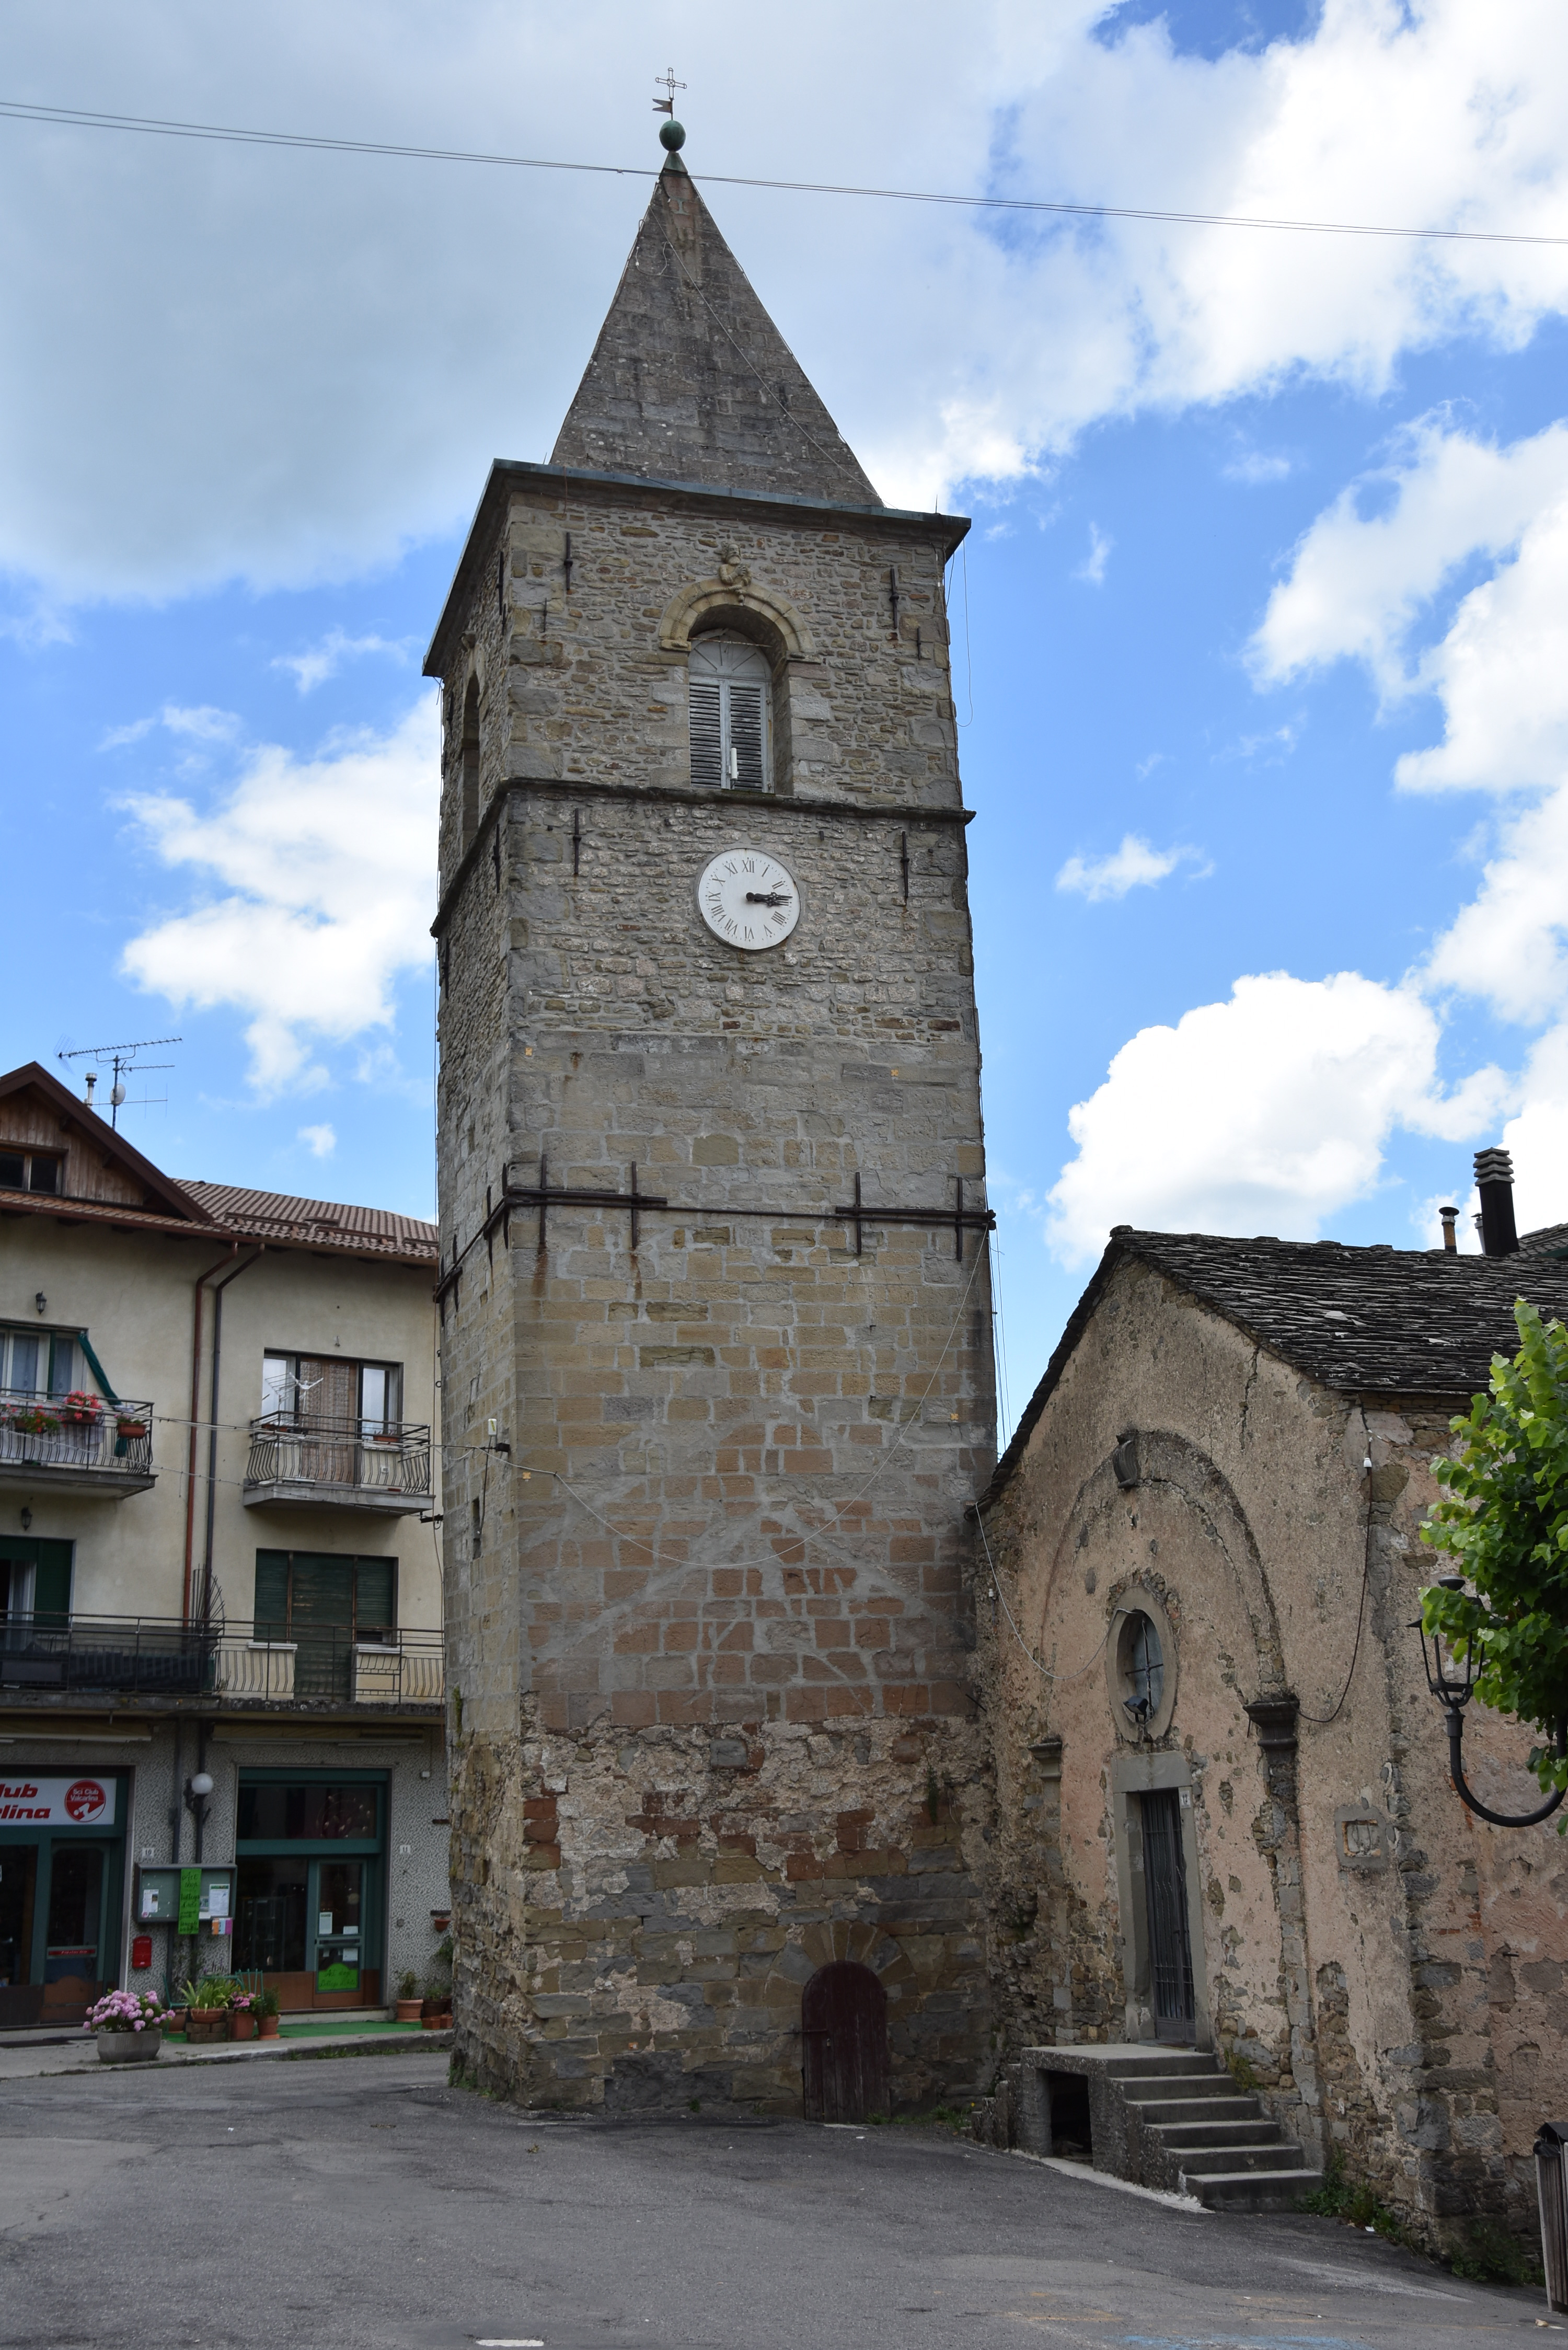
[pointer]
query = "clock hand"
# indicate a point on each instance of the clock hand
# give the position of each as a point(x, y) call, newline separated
point(768, 898)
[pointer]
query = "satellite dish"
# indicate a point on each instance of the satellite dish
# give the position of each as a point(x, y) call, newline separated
point(116, 1095)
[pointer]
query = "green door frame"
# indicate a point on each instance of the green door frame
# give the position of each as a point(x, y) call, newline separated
point(314, 1850)
point(47, 1840)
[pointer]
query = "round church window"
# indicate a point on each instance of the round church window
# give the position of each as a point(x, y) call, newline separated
point(1140, 1668)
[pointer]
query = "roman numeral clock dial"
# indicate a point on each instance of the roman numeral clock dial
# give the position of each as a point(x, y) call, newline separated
point(748, 900)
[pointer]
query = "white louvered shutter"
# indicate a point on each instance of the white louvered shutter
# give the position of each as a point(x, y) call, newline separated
point(730, 696)
point(746, 765)
point(707, 733)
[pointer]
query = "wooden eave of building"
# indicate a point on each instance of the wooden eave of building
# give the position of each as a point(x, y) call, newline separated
point(507, 474)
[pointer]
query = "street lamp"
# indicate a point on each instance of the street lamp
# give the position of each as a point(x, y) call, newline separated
point(1452, 1682)
point(198, 1792)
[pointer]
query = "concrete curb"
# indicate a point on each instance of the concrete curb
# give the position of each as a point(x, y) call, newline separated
point(171, 2059)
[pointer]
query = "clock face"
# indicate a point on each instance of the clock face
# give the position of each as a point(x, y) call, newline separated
point(748, 899)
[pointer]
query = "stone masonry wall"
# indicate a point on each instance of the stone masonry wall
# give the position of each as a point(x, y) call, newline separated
point(710, 1615)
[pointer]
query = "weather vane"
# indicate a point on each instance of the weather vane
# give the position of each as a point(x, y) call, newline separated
point(668, 81)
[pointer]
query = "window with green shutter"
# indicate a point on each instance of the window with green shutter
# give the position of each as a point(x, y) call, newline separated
point(305, 1595)
point(35, 1581)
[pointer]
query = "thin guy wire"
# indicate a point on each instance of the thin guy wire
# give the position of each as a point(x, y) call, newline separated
point(84, 118)
point(1043, 1670)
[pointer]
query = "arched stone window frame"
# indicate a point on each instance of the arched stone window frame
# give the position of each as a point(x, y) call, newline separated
point(735, 606)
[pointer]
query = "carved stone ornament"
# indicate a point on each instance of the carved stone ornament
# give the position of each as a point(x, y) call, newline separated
point(731, 570)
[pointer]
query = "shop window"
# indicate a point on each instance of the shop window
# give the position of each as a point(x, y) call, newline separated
point(275, 1810)
point(32, 1170)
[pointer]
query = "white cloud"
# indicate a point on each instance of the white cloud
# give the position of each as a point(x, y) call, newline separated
point(322, 883)
point(1092, 567)
point(205, 724)
point(314, 667)
point(1255, 467)
point(314, 361)
point(1264, 1114)
point(1510, 945)
point(321, 1141)
point(1360, 584)
point(1134, 864)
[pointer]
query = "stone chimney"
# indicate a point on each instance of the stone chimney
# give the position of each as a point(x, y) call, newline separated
point(1494, 1180)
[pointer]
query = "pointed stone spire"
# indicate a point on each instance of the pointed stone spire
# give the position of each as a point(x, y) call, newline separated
point(691, 381)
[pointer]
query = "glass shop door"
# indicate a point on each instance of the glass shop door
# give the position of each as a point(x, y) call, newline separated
point(339, 1916)
point(75, 1961)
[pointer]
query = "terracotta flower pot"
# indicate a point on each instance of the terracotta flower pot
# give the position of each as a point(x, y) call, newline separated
point(241, 2025)
point(202, 2023)
point(128, 2047)
point(441, 2021)
point(267, 2026)
point(409, 2010)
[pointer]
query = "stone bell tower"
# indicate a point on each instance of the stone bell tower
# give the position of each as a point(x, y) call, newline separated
point(717, 1367)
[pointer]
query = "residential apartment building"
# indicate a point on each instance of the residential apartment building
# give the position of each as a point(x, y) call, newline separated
point(222, 1677)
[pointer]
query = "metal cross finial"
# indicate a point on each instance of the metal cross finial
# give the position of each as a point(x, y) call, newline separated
point(667, 105)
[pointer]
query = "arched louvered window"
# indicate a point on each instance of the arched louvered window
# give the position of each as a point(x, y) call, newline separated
point(731, 701)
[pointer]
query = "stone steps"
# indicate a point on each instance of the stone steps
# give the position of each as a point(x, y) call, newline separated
point(1253, 2190)
point(1172, 2112)
point(1173, 2119)
point(1237, 2130)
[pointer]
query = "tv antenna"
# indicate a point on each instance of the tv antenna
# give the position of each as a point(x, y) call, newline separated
point(123, 1061)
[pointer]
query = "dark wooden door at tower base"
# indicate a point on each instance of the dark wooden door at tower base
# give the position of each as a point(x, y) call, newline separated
point(844, 2034)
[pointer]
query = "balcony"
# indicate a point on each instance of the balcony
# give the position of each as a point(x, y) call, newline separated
point(245, 1664)
point(346, 1464)
point(76, 1443)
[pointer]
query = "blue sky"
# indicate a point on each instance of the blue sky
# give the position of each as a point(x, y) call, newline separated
point(1264, 591)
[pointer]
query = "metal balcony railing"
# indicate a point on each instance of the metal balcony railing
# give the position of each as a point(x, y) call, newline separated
point(154, 1656)
point(74, 1432)
point(340, 1457)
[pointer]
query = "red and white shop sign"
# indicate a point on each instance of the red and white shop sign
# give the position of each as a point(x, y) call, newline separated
point(85, 1802)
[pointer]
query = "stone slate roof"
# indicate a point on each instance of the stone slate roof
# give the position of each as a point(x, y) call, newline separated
point(284, 1222)
point(1552, 1240)
point(691, 381)
point(1366, 1321)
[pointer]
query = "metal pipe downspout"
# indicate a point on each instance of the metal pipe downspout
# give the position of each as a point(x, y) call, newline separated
point(201, 1280)
point(218, 1289)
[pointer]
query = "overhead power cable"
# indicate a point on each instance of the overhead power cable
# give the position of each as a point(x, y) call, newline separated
point(84, 118)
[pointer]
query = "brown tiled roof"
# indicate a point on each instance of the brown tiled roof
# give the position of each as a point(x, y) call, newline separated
point(284, 1222)
point(1367, 1321)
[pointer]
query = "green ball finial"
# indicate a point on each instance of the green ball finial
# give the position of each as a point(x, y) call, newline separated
point(673, 134)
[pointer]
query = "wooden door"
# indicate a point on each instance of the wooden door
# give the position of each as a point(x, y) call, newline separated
point(843, 2032)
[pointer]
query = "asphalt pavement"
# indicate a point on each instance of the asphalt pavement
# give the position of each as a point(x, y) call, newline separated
point(351, 2204)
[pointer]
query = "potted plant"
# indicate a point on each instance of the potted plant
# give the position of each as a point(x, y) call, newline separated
point(128, 2026)
point(408, 2002)
point(242, 2014)
point(207, 2003)
point(435, 2010)
point(80, 1410)
point(264, 2006)
point(126, 1429)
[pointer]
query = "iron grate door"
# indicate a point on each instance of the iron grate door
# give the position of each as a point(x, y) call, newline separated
point(1165, 1888)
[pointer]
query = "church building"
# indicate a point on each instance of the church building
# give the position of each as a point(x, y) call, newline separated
point(716, 1320)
